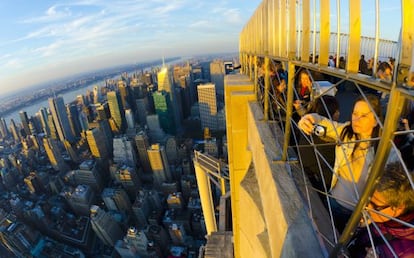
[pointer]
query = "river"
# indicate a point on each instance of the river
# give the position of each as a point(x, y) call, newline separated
point(68, 97)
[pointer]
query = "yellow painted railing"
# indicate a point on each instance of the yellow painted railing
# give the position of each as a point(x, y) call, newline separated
point(282, 34)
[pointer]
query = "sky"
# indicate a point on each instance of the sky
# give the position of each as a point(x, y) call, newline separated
point(46, 40)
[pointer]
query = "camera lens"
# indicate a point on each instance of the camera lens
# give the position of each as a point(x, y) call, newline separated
point(319, 130)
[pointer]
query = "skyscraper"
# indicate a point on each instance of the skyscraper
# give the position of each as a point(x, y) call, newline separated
point(166, 83)
point(140, 97)
point(125, 94)
point(128, 178)
point(177, 234)
point(96, 142)
point(25, 122)
point(165, 111)
point(18, 238)
point(87, 174)
point(105, 226)
point(159, 164)
point(155, 132)
point(124, 151)
point(14, 130)
point(101, 112)
point(35, 124)
point(3, 128)
point(52, 127)
point(83, 119)
point(135, 244)
point(141, 209)
point(96, 95)
point(142, 143)
point(172, 150)
point(207, 105)
point(80, 198)
point(60, 119)
point(141, 113)
point(129, 116)
point(34, 184)
point(54, 154)
point(117, 199)
point(217, 72)
point(117, 111)
point(43, 119)
point(183, 79)
point(73, 117)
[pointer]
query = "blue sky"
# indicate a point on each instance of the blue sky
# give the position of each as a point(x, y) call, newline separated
point(45, 40)
point(42, 40)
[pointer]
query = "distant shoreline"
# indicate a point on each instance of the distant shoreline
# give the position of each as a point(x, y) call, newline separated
point(42, 94)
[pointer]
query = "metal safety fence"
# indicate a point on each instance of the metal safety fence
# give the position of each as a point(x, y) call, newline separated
point(347, 120)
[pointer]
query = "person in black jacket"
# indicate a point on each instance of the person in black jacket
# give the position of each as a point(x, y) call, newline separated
point(318, 158)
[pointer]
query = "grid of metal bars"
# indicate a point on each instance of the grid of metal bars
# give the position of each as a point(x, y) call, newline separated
point(281, 33)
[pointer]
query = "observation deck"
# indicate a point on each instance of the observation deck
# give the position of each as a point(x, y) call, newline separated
point(276, 210)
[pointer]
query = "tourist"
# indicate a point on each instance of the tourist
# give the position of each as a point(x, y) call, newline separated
point(317, 156)
point(394, 197)
point(354, 153)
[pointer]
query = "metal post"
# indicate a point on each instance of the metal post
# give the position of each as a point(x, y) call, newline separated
point(266, 88)
point(204, 189)
point(338, 31)
point(314, 33)
point(377, 20)
point(223, 186)
point(289, 105)
point(256, 75)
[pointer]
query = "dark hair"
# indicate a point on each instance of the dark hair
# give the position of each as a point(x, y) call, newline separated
point(375, 106)
point(325, 106)
point(384, 66)
point(279, 76)
point(395, 186)
point(298, 77)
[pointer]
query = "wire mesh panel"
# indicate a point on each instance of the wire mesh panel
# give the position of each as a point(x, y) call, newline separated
point(346, 110)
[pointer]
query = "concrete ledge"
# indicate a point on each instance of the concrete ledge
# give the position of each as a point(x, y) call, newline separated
point(270, 212)
point(285, 214)
point(254, 233)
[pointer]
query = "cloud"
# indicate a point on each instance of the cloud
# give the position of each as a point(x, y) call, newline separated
point(49, 50)
point(200, 24)
point(168, 8)
point(61, 34)
point(5, 56)
point(233, 16)
point(14, 63)
point(51, 14)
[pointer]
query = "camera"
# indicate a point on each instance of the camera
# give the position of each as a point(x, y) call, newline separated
point(319, 130)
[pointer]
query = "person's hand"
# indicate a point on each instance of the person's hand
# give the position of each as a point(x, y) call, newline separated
point(306, 123)
point(297, 104)
point(370, 253)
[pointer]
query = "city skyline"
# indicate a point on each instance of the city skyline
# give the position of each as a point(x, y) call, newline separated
point(113, 189)
point(54, 39)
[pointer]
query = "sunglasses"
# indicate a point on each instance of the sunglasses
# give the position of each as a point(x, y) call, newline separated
point(378, 207)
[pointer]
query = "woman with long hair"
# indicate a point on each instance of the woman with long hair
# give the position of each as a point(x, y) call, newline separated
point(354, 153)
